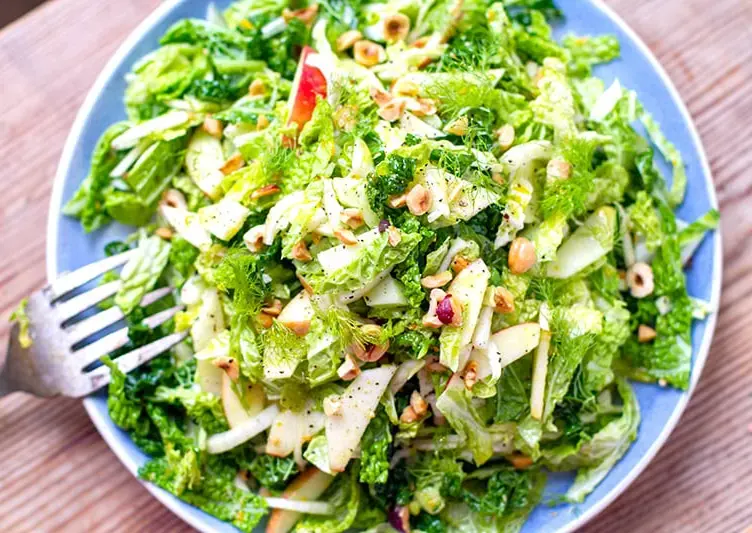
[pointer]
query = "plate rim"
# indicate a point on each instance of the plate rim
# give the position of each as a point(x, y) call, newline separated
point(173, 503)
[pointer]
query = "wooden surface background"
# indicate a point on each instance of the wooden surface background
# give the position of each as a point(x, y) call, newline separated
point(57, 474)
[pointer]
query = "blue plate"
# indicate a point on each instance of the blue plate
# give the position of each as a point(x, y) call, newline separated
point(68, 247)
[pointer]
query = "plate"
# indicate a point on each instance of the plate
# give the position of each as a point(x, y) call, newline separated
point(69, 248)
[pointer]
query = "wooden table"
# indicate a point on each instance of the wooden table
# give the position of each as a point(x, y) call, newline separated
point(57, 474)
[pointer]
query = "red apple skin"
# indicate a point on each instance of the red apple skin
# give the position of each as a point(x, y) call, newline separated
point(309, 84)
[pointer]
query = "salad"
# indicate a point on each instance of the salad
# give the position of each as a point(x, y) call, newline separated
point(420, 248)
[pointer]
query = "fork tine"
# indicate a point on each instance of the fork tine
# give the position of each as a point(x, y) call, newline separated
point(107, 344)
point(117, 339)
point(77, 304)
point(80, 330)
point(100, 377)
point(72, 280)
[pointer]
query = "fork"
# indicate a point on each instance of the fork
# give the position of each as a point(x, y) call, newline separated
point(57, 362)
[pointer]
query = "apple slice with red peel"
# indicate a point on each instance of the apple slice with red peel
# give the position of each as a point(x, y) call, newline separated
point(309, 83)
point(235, 412)
point(308, 486)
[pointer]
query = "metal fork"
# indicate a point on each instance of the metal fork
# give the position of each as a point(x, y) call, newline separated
point(57, 361)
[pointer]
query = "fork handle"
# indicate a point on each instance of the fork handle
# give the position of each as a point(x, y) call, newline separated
point(6, 387)
point(7, 384)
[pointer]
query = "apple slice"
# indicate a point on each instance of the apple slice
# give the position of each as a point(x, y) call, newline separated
point(309, 83)
point(307, 486)
point(227, 440)
point(508, 345)
point(297, 314)
point(468, 288)
point(291, 429)
point(540, 368)
point(345, 428)
point(235, 412)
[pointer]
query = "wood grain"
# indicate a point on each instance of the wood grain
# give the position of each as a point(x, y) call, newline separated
point(59, 475)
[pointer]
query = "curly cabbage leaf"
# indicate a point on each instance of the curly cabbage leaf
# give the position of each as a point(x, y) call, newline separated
point(368, 261)
point(455, 403)
point(141, 272)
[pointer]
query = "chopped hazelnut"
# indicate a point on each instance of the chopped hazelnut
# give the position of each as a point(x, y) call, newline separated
point(346, 237)
point(262, 123)
point(646, 333)
point(368, 53)
point(419, 200)
point(213, 127)
point(380, 97)
point(306, 286)
point(164, 233)
point(498, 177)
point(236, 162)
point(265, 320)
point(392, 110)
point(273, 309)
point(459, 263)
point(396, 27)
point(558, 169)
point(405, 87)
point(396, 202)
point(375, 353)
point(305, 14)
point(505, 136)
point(348, 370)
point(395, 237)
point(521, 256)
point(503, 300)
point(409, 415)
point(419, 405)
point(471, 374)
point(348, 39)
point(423, 107)
point(254, 239)
point(266, 190)
point(358, 350)
point(437, 280)
point(173, 198)
point(299, 327)
point(300, 252)
point(640, 280)
point(352, 217)
point(458, 126)
point(257, 88)
point(520, 461)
